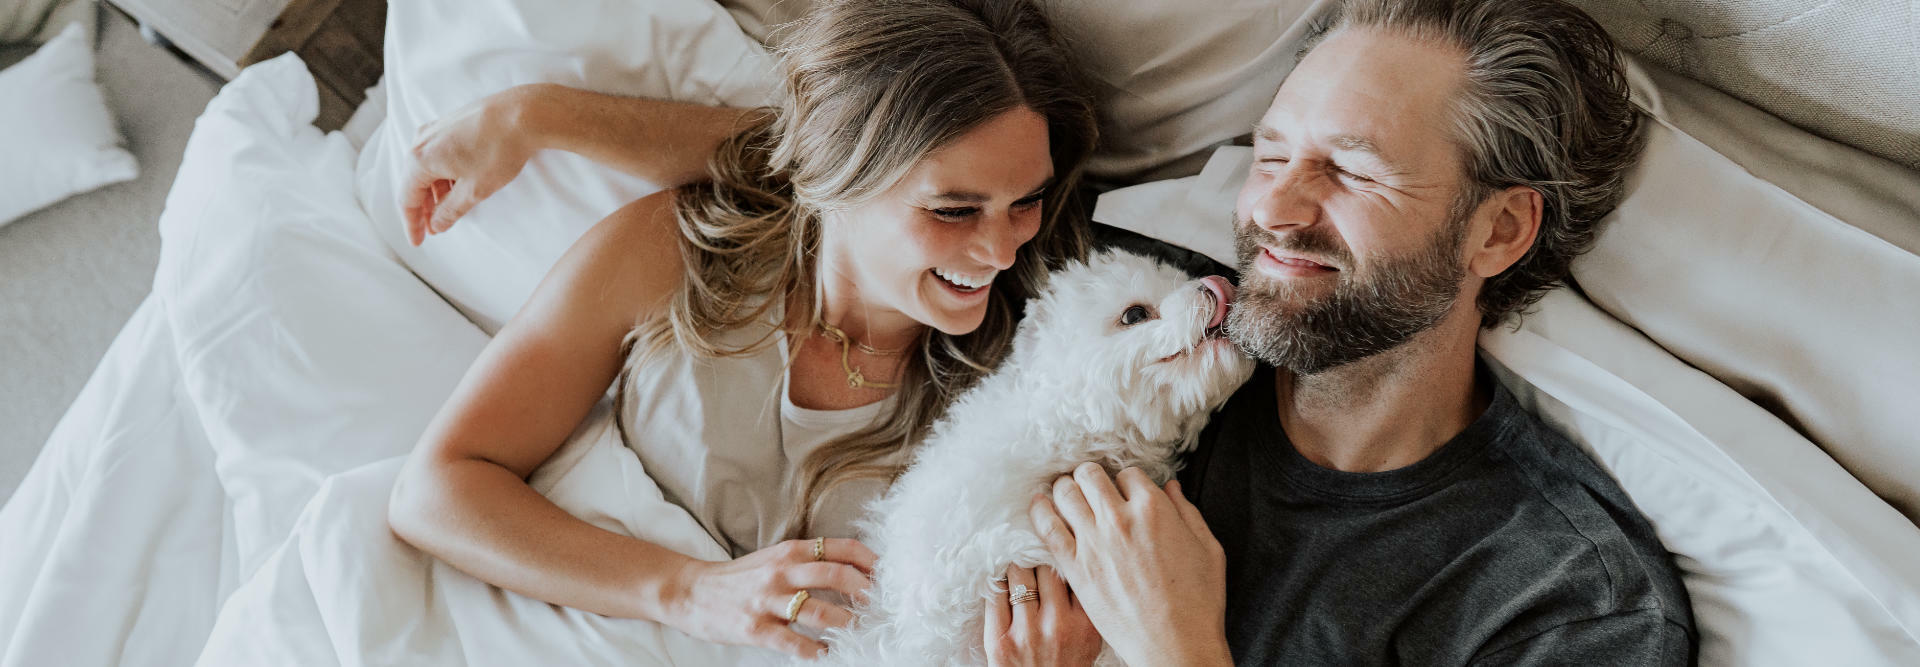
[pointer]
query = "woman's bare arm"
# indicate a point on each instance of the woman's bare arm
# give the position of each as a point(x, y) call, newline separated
point(666, 143)
point(463, 495)
point(468, 155)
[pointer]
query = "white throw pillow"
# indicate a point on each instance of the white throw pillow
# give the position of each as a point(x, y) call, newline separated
point(443, 54)
point(58, 136)
point(1787, 558)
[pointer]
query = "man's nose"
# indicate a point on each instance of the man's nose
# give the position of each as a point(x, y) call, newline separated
point(1291, 199)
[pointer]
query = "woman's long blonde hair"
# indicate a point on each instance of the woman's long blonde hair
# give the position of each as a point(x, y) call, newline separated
point(873, 87)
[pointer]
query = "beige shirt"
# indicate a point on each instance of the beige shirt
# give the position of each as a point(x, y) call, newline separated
point(723, 439)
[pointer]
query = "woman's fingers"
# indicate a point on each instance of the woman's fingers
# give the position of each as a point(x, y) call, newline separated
point(455, 202)
point(829, 575)
point(1055, 600)
point(822, 614)
point(777, 635)
point(1026, 620)
point(999, 617)
point(851, 552)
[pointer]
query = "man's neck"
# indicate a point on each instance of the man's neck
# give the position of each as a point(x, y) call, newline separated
point(1392, 409)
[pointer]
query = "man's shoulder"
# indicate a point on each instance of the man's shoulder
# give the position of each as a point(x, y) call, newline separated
point(1582, 526)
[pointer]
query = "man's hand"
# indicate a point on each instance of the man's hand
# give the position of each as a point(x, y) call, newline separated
point(1142, 563)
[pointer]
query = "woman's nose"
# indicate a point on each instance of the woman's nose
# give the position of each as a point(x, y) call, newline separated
point(1000, 240)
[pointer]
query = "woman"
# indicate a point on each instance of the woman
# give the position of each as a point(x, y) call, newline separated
point(858, 253)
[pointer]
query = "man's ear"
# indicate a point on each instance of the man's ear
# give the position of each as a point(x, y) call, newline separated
point(1506, 225)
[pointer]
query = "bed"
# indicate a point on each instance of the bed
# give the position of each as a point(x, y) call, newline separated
point(1736, 349)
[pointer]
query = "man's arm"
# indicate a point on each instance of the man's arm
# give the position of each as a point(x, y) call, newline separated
point(1142, 562)
point(468, 155)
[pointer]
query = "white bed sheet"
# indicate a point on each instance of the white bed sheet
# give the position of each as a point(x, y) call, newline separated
point(115, 542)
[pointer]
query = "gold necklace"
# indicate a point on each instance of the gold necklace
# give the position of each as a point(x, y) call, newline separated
point(855, 379)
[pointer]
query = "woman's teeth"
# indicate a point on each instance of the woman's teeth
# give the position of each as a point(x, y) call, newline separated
point(965, 282)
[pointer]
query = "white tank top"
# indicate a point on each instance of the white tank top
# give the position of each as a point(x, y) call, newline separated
point(723, 439)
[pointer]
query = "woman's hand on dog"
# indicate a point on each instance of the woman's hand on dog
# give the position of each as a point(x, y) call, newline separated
point(1050, 630)
point(1142, 562)
point(744, 600)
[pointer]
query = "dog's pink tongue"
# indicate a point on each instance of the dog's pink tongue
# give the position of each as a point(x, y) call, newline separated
point(1222, 297)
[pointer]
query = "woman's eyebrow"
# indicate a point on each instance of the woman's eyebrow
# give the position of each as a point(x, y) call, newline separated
point(970, 197)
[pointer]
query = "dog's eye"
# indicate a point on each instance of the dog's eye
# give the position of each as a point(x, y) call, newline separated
point(1135, 315)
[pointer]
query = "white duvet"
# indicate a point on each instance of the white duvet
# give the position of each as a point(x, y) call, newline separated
point(317, 353)
point(286, 356)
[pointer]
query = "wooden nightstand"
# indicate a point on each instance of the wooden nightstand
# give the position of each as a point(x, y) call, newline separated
point(340, 40)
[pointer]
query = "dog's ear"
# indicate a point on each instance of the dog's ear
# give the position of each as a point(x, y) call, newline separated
point(1035, 317)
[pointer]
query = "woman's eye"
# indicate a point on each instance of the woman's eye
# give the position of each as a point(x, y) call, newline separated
point(1027, 203)
point(1350, 175)
point(1135, 315)
point(953, 213)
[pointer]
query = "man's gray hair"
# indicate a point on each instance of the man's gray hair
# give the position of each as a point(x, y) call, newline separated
point(1544, 105)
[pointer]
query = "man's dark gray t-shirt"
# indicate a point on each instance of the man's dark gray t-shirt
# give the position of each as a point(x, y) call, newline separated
point(1506, 546)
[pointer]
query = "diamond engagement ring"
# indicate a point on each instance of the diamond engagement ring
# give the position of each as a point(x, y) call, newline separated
point(819, 548)
point(1021, 593)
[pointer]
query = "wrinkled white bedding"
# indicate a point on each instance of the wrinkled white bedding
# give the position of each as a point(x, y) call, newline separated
point(283, 345)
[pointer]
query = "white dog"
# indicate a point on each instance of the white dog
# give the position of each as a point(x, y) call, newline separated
point(1119, 361)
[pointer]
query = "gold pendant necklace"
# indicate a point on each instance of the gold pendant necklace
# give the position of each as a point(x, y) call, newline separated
point(855, 379)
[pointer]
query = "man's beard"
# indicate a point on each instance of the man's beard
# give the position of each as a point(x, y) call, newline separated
point(1367, 313)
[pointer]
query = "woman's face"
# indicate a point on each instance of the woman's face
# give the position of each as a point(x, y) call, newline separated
point(930, 247)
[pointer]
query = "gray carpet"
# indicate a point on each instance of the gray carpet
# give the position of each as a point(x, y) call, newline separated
point(72, 273)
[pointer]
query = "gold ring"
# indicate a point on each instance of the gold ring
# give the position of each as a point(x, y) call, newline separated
point(793, 606)
point(819, 548)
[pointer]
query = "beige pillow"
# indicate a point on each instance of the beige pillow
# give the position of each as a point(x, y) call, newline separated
point(37, 21)
point(1848, 71)
point(1176, 79)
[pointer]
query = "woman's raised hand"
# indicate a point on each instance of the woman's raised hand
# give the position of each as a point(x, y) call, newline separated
point(745, 600)
point(465, 157)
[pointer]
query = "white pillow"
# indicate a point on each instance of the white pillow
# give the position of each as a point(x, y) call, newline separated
point(306, 347)
point(442, 54)
point(1810, 317)
point(1788, 559)
point(59, 137)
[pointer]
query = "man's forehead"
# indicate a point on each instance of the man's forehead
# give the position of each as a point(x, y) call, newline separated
point(1368, 91)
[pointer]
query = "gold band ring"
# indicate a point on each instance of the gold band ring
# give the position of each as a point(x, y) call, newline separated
point(819, 548)
point(793, 606)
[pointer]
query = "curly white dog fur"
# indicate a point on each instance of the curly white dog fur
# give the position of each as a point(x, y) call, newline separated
point(1087, 381)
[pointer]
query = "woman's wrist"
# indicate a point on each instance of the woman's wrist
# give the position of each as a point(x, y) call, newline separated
point(671, 595)
point(525, 114)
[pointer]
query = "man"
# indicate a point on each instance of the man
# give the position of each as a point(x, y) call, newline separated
point(1372, 495)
